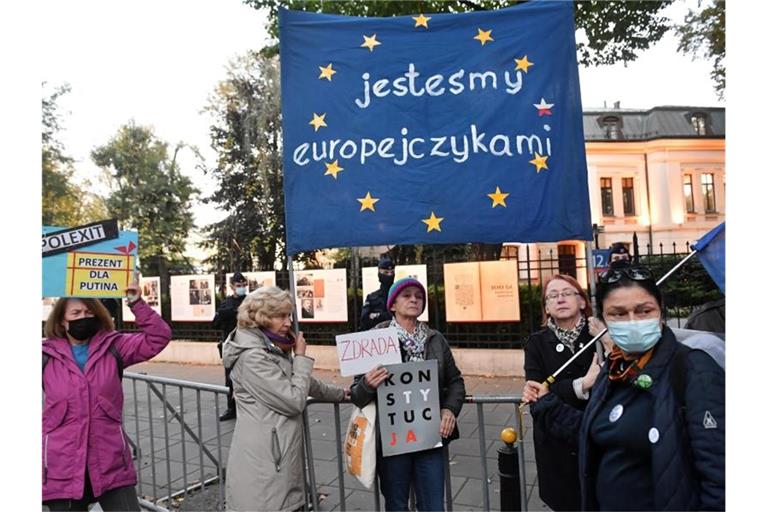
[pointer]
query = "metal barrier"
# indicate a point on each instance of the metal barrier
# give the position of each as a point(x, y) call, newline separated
point(182, 418)
point(479, 401)
point(178, 431)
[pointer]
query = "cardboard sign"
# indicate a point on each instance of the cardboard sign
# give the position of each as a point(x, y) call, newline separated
point(66, 240)
point(360, 351)
point(409, 408)
point(100, 270)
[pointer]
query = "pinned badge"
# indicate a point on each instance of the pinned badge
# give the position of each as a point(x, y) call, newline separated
point(560, 347)
point(616, 413)
point(653, 435)
point(644, 381)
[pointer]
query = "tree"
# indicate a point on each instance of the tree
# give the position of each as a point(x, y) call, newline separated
point(616, 30)
point(64, 203)
point(246, 134)
point(704, 31)
point(150, 195)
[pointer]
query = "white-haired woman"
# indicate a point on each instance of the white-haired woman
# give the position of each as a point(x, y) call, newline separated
point(265, 469)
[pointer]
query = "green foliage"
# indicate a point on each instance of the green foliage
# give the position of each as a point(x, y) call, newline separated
point(64, 202)
point(616, 30)
point(690, 285)
point(246, 134)
point(704, 31)
point(149, 194)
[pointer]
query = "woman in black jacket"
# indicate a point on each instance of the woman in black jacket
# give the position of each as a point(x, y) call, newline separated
point(424, 469)
point(652, 437)
point(565, 309)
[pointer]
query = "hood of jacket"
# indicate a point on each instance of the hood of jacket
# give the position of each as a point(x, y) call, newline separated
point(241, 340)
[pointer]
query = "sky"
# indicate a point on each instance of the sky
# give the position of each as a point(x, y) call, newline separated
point(157, 62)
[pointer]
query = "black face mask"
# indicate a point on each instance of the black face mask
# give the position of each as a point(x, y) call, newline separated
point(385, 280)
point(83, 328)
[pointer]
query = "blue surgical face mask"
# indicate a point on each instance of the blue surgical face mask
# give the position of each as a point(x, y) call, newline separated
point(240, 291)
point(635, 336)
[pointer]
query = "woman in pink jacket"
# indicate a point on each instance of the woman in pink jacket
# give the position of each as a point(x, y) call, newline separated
point(86, 458)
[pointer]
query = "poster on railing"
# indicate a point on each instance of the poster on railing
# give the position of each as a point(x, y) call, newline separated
point(485, 291)
point(360, 351)
point(150, 292)
point(321, 295)
point(193, 298)
point(419, 272)
point(48, 303)
point(255, 279)
point(409, 408)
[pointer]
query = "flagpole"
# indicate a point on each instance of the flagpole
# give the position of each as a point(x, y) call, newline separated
point(592, 288)
point(292, 287)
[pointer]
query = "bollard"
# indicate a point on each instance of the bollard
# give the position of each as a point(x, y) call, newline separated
point(509, 472)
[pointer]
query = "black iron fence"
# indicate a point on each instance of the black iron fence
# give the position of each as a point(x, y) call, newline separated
point(690, 286)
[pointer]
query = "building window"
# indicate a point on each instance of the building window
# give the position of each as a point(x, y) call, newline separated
point(612, 127)
point(708, 191)
point(688, 192)
point(699, 123)
point(566, 259)
point(606, 194)
point(628, 196)
point(508, 252)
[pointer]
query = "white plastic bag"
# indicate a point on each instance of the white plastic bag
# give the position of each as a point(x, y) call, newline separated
point(360, 444)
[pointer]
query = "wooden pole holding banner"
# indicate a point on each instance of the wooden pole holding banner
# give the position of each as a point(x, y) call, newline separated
point(292, 287)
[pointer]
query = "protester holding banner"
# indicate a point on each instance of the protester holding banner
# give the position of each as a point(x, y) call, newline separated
point(652, 436)
point(86, 458)
point(565, 308)
point(266, 465)
point(425, 469)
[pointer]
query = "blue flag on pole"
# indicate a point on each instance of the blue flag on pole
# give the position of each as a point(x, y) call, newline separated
point(711, 252)
point(433, 128)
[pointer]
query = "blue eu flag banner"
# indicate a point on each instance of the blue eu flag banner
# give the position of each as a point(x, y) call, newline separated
point(711, 252)
point(433, 128)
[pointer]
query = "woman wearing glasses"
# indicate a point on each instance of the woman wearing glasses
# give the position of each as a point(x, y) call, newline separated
point(565, 309)
point(652, 437)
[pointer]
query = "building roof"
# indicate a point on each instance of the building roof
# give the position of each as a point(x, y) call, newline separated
point(620, 125)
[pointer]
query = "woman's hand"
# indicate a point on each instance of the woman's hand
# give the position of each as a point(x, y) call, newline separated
point(447, 423)
point(533, 391)
point(300, 348)
point(591, 376)
point(133, 290)
point(595, 328)
point(376, 376)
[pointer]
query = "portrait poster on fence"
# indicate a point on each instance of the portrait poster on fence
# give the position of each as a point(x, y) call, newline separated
point(150, 292)
point(321, 295)
point(193, 298)
point(94, 260)
point(360, 351)
point(485, 291)
point(255, 279)
point(418, 272)
point(409, 408)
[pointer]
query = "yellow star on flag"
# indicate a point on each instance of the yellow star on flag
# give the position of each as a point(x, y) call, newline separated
point(326, 72)
point(370, 42)
point(483, 36)
point(433, 222)
point(367, 202)
point(540, 162)
point(318, 121)
point(333, 169)
point(498, 198)
point(523, 64)
point(421, 21)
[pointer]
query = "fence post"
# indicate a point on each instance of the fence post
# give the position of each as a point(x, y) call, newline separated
point(509, 472)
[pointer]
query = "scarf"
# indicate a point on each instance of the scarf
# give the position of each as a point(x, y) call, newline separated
point(412, 343)
point(276, 338)
point(624, 371)
point(567, 336)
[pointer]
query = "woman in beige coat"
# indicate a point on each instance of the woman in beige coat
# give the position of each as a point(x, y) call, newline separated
point(265, 468)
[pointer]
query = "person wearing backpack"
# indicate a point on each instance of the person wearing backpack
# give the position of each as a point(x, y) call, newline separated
point(652, 436)
point(86, 458)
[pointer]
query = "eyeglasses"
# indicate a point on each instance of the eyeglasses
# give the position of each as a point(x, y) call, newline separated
point(566, 294)
point(633, 273)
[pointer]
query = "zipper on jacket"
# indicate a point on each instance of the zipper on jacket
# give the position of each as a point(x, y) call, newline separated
point(276, 454)
point(45, 460)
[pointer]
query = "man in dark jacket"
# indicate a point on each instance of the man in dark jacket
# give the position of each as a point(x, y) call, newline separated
point(226, 320)
point(375, 306)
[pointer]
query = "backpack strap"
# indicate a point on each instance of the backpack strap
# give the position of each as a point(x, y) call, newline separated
point(118, 359)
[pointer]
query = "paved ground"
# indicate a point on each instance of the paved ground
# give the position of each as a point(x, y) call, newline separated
point(172, 459)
